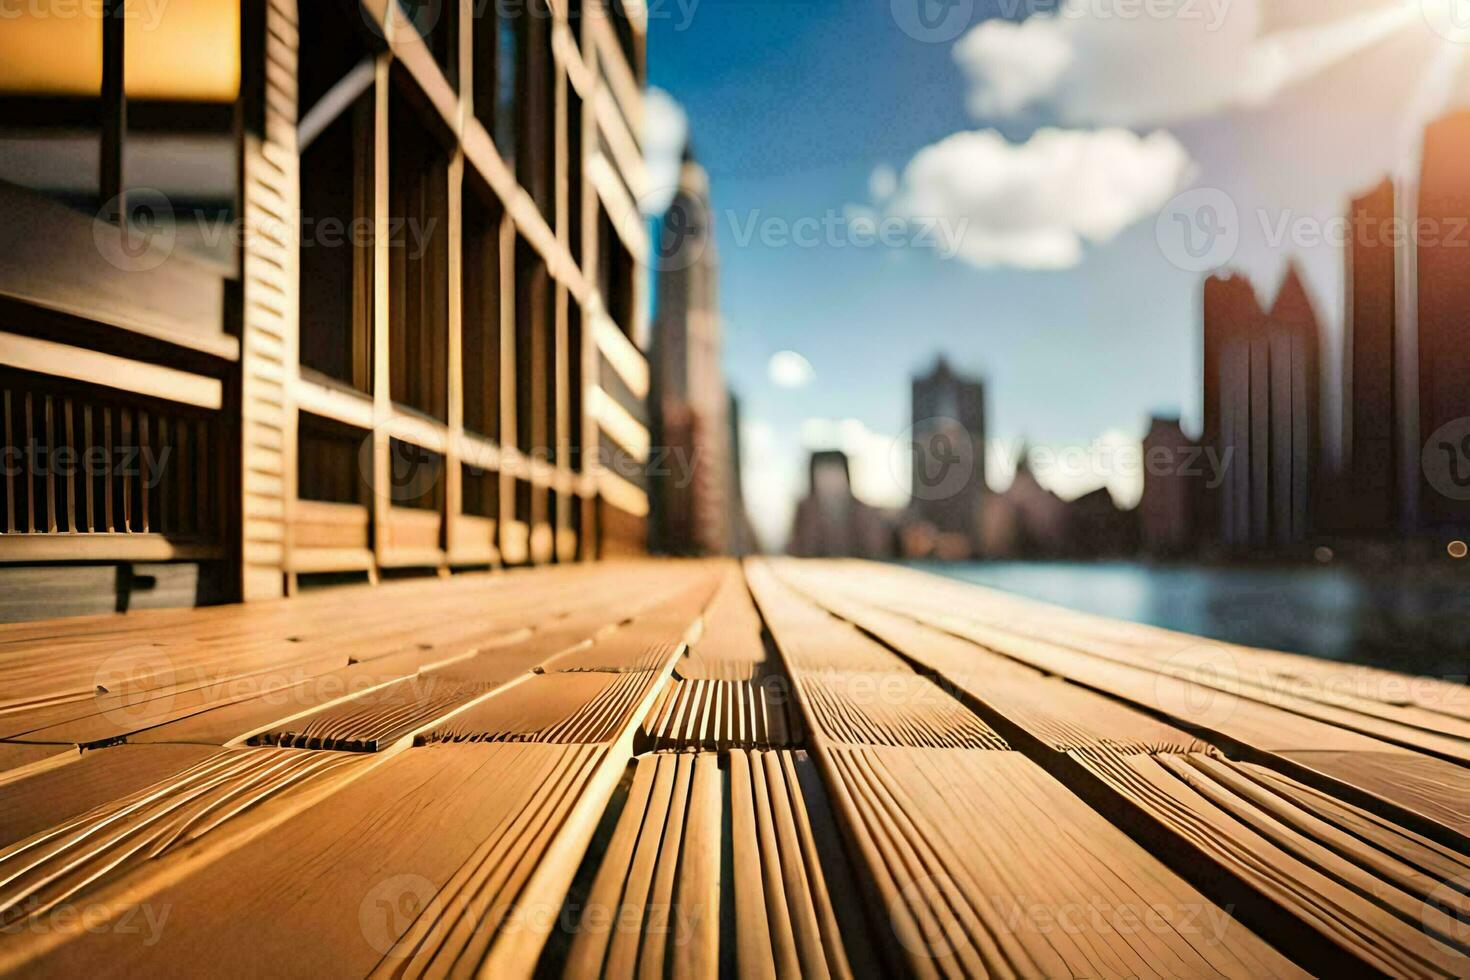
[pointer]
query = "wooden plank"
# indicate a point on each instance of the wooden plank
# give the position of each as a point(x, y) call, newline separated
point(10, 467)
point(112, 546)
point(109, 371)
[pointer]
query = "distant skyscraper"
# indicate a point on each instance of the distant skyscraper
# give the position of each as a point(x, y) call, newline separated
point(1296, 410)
point(831, 522)
point(1262, 410)
point(1232, 319)
point(1438, 466)
point(949, 432)
point(1367, 498)
point(1166, 512)
point(692, 490)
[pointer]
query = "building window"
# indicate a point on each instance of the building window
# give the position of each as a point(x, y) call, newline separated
point(437, 22)
point(329, 459)
point(614, 273)
point(481, 492)
point(332, 46)
point(627, 41)
point(574, 175)
point(535, 359)
point(575, 376)
point(418, 260)
point(498, 46)
point(337, 249)
point(536, 163)
point(481, 312)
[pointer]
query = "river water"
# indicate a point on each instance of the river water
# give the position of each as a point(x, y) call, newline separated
point(1403, 621)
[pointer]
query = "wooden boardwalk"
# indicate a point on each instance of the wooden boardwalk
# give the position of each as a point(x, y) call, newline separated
point(699, 769)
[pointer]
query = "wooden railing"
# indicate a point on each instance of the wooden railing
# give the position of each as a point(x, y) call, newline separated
point(90, 473)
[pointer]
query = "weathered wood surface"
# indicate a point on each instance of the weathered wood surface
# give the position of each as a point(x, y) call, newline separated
point(696, 769)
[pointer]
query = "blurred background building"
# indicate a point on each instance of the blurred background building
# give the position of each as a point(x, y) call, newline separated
point(697, 503)
point(948, 475)
point(1269, 476)
point(361, 281)
point(833, 523)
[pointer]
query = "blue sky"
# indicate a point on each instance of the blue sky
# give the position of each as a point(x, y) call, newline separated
point(792, 106)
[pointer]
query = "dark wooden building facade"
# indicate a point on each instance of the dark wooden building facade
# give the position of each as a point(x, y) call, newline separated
point(318, 290)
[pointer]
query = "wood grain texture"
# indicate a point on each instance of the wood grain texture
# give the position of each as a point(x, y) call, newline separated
point(709, 769)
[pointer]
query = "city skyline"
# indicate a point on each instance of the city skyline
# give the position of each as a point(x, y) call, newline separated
point(899, 307)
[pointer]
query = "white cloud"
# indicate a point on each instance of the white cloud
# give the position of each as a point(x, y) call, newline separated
point(1035, 204)
point(665, 135)
point(1086, 65)
point(1070, 470)
point(770, 462)
point(882, 183)
point(878, 463)
point(788, 369)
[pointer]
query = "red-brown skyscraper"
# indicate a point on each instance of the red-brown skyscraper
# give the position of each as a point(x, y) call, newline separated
point(1166, 512)
point(1371, 380)
point(696, 498)
point(948, 480)
point(1443, 334)
point(1262, 410)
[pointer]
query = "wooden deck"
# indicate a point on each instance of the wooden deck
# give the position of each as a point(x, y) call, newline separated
point(691, 769)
